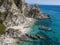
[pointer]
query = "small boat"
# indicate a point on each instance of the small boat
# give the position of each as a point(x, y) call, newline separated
point(45, 28)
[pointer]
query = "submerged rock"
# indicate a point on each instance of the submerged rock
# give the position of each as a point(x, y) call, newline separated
point(31, 36)
point(40, 37)
point(45, 28)
point(35, 37)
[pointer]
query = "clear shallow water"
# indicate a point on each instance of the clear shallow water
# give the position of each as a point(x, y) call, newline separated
point(52, 37)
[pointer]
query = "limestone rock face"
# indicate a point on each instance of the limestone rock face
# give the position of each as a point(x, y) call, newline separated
point(19, 7)
point(36, 13)
point(7, 40)
point(19, 16)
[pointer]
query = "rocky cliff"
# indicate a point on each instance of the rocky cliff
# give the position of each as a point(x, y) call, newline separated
point(18, 15)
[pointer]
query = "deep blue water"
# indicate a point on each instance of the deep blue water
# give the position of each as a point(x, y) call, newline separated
point(52, 37)
point(54, 12)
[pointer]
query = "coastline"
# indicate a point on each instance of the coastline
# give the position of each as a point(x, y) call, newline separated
point(20, 20)
point(25, 27)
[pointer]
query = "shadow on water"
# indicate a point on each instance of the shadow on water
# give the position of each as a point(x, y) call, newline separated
point(48, 40)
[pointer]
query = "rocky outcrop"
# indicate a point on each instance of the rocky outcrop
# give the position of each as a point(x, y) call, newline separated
point(35, 37)
point(45, 28)
point(36, 13)
point(7, 40)
point(21, 8)
point(16, 34)
point(18, 17)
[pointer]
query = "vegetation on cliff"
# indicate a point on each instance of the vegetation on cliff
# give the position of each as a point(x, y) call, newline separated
point(2, 29)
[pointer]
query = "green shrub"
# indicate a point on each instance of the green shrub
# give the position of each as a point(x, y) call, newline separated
point(2, 29)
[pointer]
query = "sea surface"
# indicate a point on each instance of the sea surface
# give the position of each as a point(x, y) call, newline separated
point(53, 36)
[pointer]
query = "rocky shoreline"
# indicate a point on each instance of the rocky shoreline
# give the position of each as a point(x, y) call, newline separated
point(18, 18)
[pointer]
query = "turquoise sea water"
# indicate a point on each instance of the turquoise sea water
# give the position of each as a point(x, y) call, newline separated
point(52, 37)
